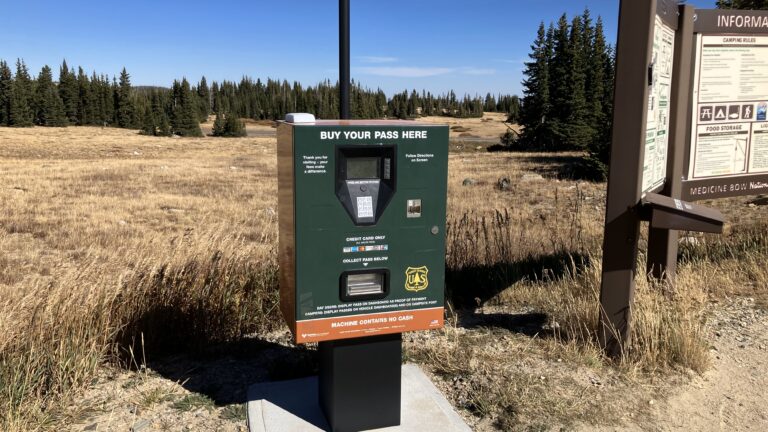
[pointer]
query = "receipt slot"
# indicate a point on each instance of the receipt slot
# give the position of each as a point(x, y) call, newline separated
point(362, 227)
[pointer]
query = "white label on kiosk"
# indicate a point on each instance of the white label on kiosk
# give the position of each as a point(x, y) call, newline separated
point(364, 207)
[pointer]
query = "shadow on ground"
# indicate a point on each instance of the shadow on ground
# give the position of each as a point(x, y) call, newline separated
point(528, 324)
point(471, 287)
point(562, 167)
point(224, 372)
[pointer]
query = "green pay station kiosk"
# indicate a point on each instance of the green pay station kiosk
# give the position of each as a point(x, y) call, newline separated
point(362, 251)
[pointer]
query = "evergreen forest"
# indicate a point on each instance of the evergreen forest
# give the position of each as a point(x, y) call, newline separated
point(77, 98)
point(567, 99)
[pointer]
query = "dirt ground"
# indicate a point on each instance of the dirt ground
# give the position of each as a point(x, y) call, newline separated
point(732, 395)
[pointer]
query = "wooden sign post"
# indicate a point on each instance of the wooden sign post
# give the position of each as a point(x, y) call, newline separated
point(645, 50)
point(647, 149)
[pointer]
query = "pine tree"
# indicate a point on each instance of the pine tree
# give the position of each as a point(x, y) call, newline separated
point(535, 105)
point(204, 94)
point(185, 115)
point(600, 100)
point(48, 107)
point(579, 95)
point(68, 92)
point(743, 4)
point(148, 125)
point(164, 126)
point(597, 59)
point(6, 86)
point(85, 103)
point(21, 114)
point(559, 83)
point(235, 127)
point(511, 106)
point(219, 124)
point(578, 131)
point(228, 125)
point(125, 108)
point(101, 100)
point(160, 118)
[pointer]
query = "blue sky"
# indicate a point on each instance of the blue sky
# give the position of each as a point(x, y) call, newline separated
point(471, 46)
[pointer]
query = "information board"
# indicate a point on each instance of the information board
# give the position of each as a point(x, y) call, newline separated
point(657, 123)
point(729, 130)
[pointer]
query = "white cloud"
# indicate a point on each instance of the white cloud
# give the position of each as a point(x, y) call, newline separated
point(422, 72)
point(510, 61)
point(377, 59)
point(477, 71)
point(405, 72)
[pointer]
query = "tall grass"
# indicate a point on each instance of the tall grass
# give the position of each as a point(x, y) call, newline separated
point(118, 240)
point(204, 291)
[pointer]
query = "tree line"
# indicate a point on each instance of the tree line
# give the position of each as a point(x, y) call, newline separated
point(568, 89)
point(273, 99)
point(78, 98)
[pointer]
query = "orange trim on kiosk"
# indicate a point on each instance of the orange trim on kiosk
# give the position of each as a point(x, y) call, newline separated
point(325, 329)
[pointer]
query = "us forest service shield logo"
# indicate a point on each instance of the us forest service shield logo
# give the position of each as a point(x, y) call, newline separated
point(416, 278)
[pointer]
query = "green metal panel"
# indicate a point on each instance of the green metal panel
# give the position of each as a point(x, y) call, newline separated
point(324, 228)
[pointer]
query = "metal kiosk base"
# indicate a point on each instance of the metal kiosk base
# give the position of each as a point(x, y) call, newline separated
point(359, 382)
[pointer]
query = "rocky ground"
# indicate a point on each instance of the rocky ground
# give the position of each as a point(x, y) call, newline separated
point(733, 394)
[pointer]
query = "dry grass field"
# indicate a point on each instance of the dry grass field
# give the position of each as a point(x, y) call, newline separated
point(117, 250)
point(490, 125)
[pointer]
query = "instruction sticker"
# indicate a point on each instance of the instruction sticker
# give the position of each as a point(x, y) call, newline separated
point(657, 127)
point(364, 207)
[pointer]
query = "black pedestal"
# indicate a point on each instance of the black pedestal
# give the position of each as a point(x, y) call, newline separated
point(360, 382)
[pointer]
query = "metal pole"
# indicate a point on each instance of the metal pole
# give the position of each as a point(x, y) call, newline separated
point(344, 74)
point(360, 378)
point(662, 243)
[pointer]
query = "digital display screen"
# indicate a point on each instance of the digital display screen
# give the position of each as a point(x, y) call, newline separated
point(362, 168)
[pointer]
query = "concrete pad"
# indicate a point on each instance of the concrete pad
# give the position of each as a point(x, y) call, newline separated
point(293, 406)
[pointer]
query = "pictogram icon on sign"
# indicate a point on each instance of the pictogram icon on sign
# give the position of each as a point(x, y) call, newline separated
point(720, 112)
point(705, 114)
point(747, 111)
point(734, 112)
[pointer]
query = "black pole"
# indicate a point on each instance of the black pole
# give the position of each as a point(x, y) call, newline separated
point(344, 74)
point(359, 382)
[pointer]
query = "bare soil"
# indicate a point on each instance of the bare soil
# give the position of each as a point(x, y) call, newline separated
point(733, 394)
